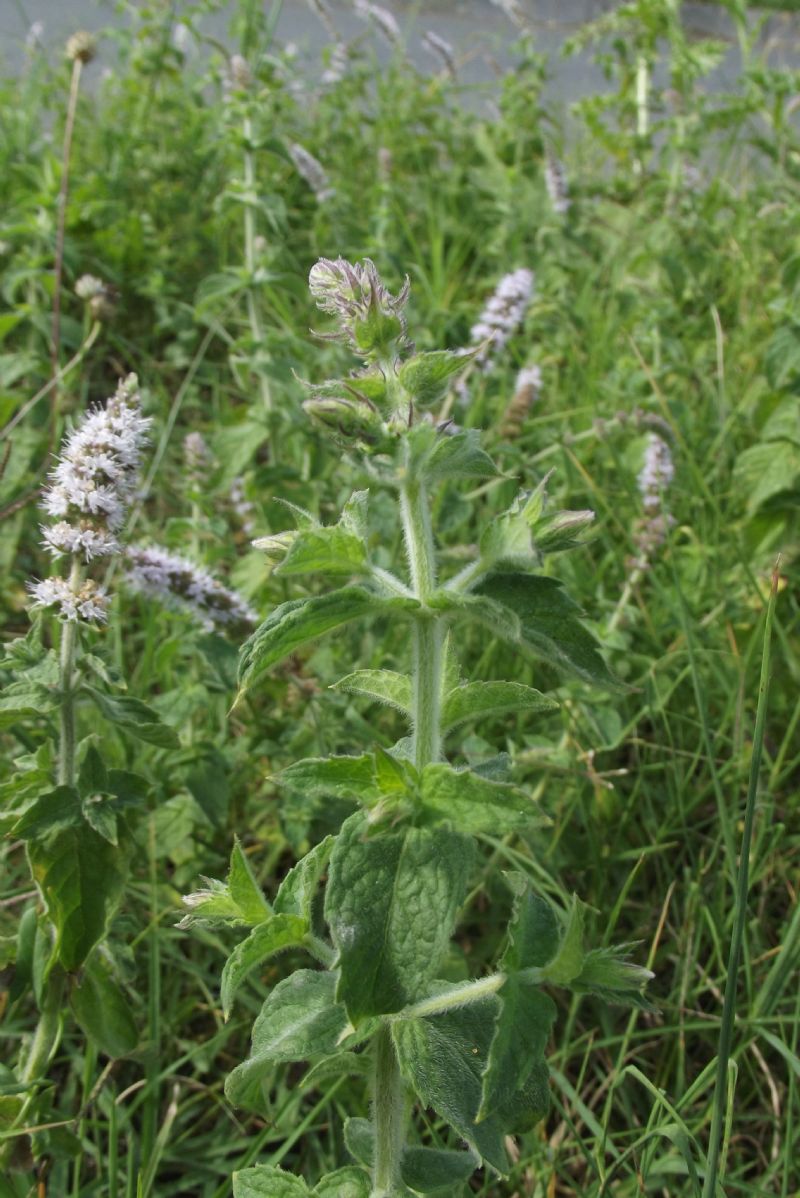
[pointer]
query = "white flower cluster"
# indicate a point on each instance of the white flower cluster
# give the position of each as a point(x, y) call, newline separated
point(382, 19)
point(86, 601)
point(657, 472)
point(503, 314)
point(179, 583)
point(555, 180)
point(197, 456)
point(312, 170)
point(654, 478)
point(242, 506)
point(440, 48)
point(95, 479)
point(88, 497)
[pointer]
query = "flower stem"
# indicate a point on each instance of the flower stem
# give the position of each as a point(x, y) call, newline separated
point(253, 314)
point(69, 640)
point(428, 641)
point(390, 1115)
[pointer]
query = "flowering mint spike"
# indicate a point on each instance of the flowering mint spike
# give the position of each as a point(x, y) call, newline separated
point(312, 170)
point(179, 583)
point(371, 320)
point(87, 601)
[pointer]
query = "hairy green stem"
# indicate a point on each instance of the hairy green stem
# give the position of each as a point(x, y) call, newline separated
point(389, 1114)
point(69, 640)
point(253, 314)
point(428, 639)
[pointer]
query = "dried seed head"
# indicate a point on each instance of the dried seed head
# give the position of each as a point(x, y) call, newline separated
point(81, 47)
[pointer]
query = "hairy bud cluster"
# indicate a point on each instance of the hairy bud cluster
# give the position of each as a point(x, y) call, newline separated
point(371, 320)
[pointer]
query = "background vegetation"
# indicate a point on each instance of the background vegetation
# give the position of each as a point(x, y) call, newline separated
point(666, 299)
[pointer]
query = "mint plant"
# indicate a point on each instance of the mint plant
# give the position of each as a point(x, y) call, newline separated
point(399, 869)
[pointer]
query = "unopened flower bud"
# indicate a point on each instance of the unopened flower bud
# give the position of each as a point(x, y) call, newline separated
point(276, 545)
point(81, 47)
point(370, 318)
point(349, 420)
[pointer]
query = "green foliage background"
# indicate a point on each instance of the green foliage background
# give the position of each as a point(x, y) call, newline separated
point(666, 299)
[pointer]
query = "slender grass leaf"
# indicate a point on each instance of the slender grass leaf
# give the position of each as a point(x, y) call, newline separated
point(391, 903)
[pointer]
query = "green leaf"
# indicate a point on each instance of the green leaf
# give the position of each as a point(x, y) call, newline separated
point(349, 1182)
point(427, 376)
point(550, 625)
point(610, 974)
point(333, 777)
point(474, 804)
point(267, 1181)
point(478, 699)
point(238, 900)
point(326, 551)
point(459, 456)
point(134, 716)
point(385, 686)
point(766, 470)
point(301, 1019)
point(244, 889)
point(302, 620)
point(102, 1010)
point(81, 878)
point(391, 903)
point(520, 1037)
point(533, 933)
point(359, 1140)
point(529, 1105)
point(279, 932)
point(443, 1058)
point(93, 775)
point(566, 965)
point(427, 1170)
point(59, 808)
point(482, 610)
point(298, 889)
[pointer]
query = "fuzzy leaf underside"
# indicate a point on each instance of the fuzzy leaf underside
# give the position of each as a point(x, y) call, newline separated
point(300, 1019)
point(297, 890)
point(476, 700)
point(550, 625)
point(274, 936)
point(478, 609)
point(299, 621)
point(267, 1181)
point(476, 805)
point(443, 1057)
point(391, 903)
point(349, 1182)
point(518, 1045)
point(533, 932)
point(333, 777)
point(428, 1170)
point(384, 686)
